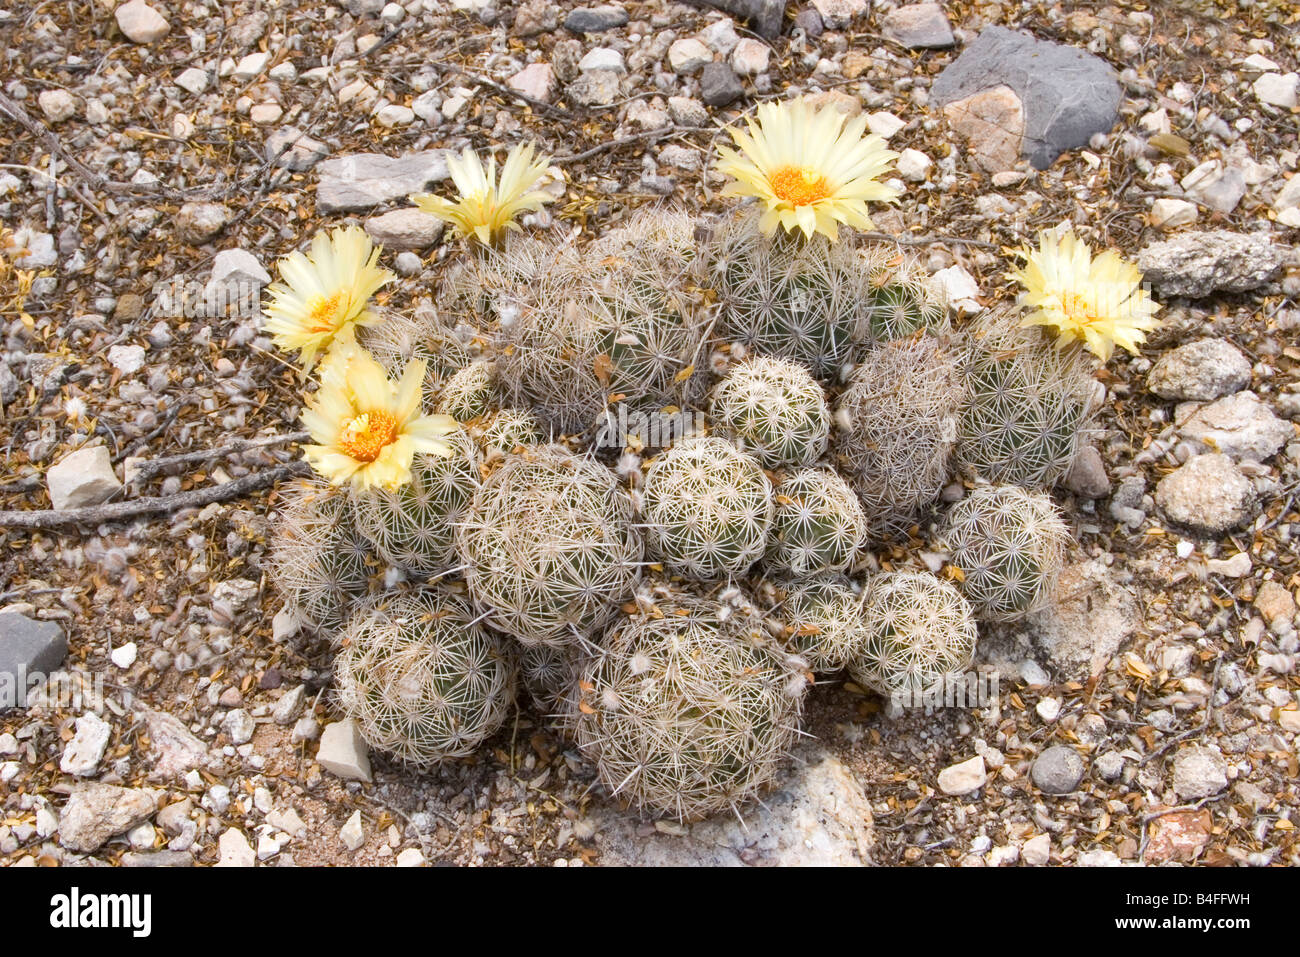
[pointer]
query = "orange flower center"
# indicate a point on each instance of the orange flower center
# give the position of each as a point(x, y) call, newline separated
point(1079, 309)
point(324, 311)
point(799, 185)
point(364, 437)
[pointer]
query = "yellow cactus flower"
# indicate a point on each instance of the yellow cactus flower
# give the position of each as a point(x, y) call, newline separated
point(368, 428)
point(324, 294)
point(811, 169)
point(1098, 301)
point(485, 208)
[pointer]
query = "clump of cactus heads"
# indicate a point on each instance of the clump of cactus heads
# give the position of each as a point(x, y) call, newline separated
point(827, 623)
point(797, 299)
point(506, 430)
point(319, 561)
point(618, 327)
point(818, 525)
point(413, 526)
point(400, 338)
point(479, 289)
point(920, 633)
point(903, 301)
point(549, 546)
point(1009, 546)
point(707, 508)
point(1027, 409)
point(897, 426)
point(423, 681)
point(691, 711)
point(775, 410)
point(470, 393)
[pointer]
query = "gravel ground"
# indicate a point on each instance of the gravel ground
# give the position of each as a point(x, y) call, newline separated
point(1167, 673)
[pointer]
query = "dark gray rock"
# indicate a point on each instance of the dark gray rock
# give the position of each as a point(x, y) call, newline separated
point(1058, 770)
point(1197, 264)
point(27, 647)
point(764, 16)
point(361, 181)
point(1086, 477)
point(719, 84)
point(595, 19)
point(1068, 95)
point(811, 21)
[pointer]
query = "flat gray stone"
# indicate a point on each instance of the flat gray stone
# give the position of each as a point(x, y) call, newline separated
point(1196, 264)
point(719, 84)
point(1201, 371)
point(919, 26)
point(292, 149)
point(96, 812)
point(27, 647)
point(1208, 494)
point(406, 228)
point(1093, 617)
point(595, 19)
point(816, 815)
point(361, 181)
point(1068, 94)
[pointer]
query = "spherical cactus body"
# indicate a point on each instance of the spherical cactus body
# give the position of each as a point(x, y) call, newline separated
point(707, 508)
point(319, 561)
point(1009, 544)
point(413, 526)
point(921, 634)
point(818, 524)
point(421, 678)
point(775, 410)
point(470, 393)
point(827, 622)
point(549, 546)
point(690, 712)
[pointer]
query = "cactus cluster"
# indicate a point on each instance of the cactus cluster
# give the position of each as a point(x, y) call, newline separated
point(1027, 406)
point(707, 508)
point(549, 546)
point(920, 632)
point(818, 524)
point(690, 712)
point(421, 678)
point(1009, 547)
point(897, 426)
point(542, 536)
point(775, 410)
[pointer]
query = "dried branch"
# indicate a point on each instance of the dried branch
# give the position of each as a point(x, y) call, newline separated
point(147, 470)
point(141, 507)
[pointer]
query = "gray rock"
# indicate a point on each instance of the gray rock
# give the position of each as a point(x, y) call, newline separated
point(290, 706)
point(174, 749)
point(919, 26)
point(810, 21)
point(239, 724)
point(1240, 426)
point(765, 17)
point(816, 815)
point(1109, 766)
point(719, 84)
point(292, 149)
point(1208, 494)
point(157, 859)
point(534, 17)
point(595, 19)
point(1196, 264)
point(96, 812)
point(1199, 772)
point(27, 647)
point(361, 181)
point(1202, 371)
point(687, 111)
point(404, 229)
point(1086, 477)
point(1058, 770)
point(596, 88)
point(85, 477)
point(81, 755)
point(1067, 95)
point(1092, 617)
point(198, 223)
